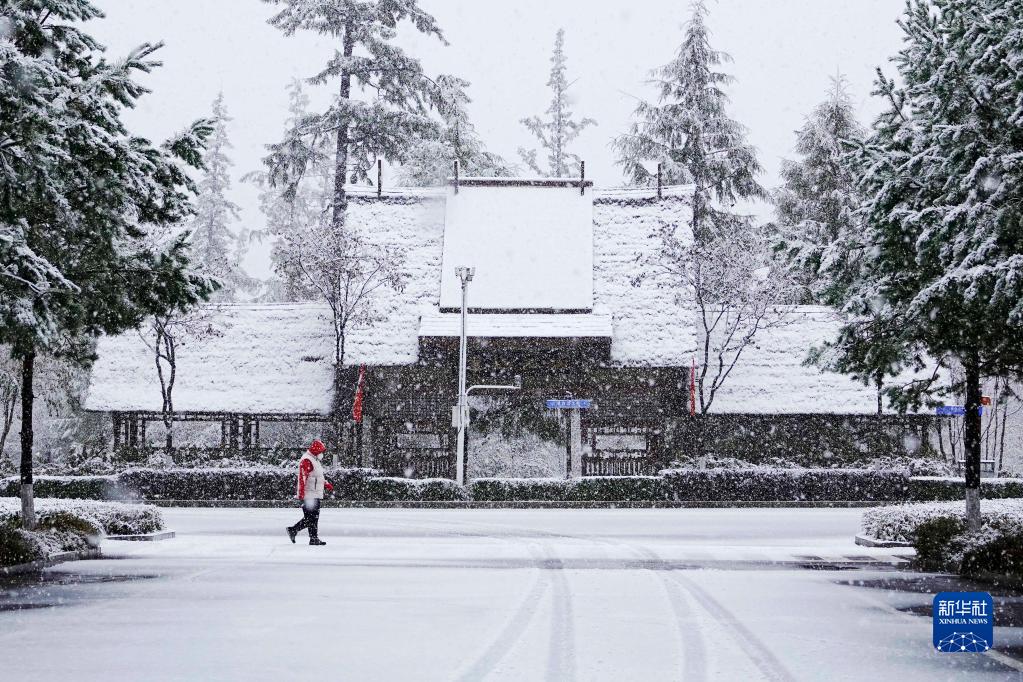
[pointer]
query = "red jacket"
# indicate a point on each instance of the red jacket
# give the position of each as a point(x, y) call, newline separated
point(304, 469)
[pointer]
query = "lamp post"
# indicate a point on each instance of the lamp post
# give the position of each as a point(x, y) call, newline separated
point(465, 275)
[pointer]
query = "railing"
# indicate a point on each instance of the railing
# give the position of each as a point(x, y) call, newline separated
point(614, 464)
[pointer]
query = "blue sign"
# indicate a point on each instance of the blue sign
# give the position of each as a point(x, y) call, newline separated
point(964, 622)
point(568, 404)
point(953, 411)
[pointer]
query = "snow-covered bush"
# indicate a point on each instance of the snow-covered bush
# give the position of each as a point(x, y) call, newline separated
point(70, 487)
point(900, 522)
point(590, 489)
point(936, 488)
point(938, 532)
point(68, 525)
point(785, 484)
point(112, 518)
point(400, 490)
point(269, 483)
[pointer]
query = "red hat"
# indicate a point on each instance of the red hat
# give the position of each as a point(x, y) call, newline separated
point(317, 448)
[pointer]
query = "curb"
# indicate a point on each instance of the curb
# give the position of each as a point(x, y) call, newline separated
point(523, 504)
point(867, 541)
point(52, 560)
point(144, 537)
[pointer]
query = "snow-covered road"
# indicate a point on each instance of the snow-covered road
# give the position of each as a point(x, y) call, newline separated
point(403, 594)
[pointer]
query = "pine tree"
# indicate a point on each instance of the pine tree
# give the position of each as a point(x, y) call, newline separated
point(688, 132)
point(944, 204)
point(431, 161)
point(218, 251)
point(77, 194)
point(559, 129)
point(289, 212)
point(818, 229)
point(386, 124)
point(336, 260)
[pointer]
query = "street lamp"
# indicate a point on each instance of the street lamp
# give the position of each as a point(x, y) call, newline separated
point(465, 275)
point(462, 410)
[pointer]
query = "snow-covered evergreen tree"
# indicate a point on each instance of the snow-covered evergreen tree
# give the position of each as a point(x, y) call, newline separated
point(944, 205)
point(430, 161)
point(332, 257)
point(818, 230)
point(393, 115)
point(77, 194)
point(217, 249)
point(556, 131)
point(287, 213)
point(689, 133)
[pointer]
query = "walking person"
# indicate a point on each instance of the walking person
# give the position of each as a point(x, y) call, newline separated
point(311, 486)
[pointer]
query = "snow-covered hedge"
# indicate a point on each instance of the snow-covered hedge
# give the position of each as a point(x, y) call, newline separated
point(785, 484)
point(68, 525)
point(943, 543)
point(937, 488)
point(113, 518)
point(74, 487)
point(598, 488)
point(268, 483)
point(900, 522)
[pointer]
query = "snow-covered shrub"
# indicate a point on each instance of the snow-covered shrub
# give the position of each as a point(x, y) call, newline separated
point(938, 532)
point(113, 518)
point(900, 522)
point(519, 489)
point(400, 490)
point(590, 489)
point(936, 488)
point(785, 484)
point(17, 546)
point(268, 483)
point(69, 487)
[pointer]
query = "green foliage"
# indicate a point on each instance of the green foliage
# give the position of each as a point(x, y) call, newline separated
point(1000, 556)
point(946, 489)
point(15, 548)
point(67, 522)
point(937, 541)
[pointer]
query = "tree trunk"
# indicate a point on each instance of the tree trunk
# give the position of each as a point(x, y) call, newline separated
point(971, 444)
point(28, 515)
point(341, 159)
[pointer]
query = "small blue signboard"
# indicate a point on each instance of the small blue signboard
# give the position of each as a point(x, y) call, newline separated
point(964, 622)
point(952, 410)
point(568, 404)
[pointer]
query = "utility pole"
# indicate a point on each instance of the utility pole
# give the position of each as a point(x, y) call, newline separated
point(465, 275)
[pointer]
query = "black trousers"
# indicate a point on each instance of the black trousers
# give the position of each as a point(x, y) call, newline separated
point(310, 519)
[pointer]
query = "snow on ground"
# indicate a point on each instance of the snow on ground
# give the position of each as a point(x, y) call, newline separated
point(479, 594)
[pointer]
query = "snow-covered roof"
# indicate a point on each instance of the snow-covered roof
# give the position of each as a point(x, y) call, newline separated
point(265, 358)
point(770, 378)
point(277, 358)
point(532, 247)
point(510, 325)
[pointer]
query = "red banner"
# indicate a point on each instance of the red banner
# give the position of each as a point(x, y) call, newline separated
point(357, 405)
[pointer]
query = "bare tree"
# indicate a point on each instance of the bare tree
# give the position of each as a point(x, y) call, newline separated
point(735, 288)
point(162, 337)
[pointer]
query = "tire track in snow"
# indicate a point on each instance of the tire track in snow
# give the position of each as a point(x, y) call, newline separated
point(561, 654)
point(513, 629)
point(691, 642)
point(761, 656)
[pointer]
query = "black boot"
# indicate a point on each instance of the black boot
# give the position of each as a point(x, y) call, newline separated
point(292, 533)
point(316, 541)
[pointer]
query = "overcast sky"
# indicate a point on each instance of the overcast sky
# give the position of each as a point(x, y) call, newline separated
point(785, 52)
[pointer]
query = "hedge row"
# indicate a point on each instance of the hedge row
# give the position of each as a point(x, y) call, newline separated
point(67, 487)
point(928, 489)
point(809, 485)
